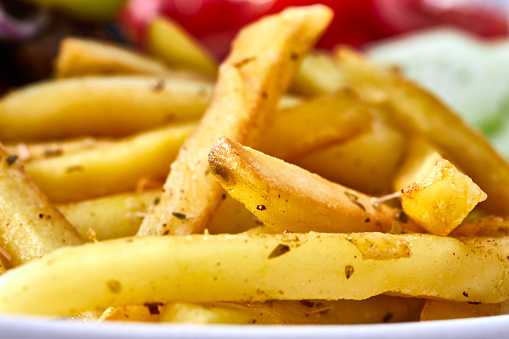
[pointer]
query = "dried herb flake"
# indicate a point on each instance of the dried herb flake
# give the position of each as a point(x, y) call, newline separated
point(11, 159)
point(180, 216)
point(279, 251)
point(349, 271)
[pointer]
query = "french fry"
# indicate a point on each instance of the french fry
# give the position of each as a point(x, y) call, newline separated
point(140, 313)
point(3, 262)
point(319, 73)
point(288, 198)
point(379, 309)
point(100, 106)
point(434, 193)
point(232, 217)
point(169, 42)
point(486, 226)
point(35, 151)
point(419, 160)
point(80, 57)
point(249, 268)
point(251, 81)
point(443, 309)
point(109, 217)
point(316, 124)
point(442, 199)
point(31, 226)
point(418, 111)
point(260, 229)
point(222, 313)
point(366, 163)
point(87, 316)
point(114, 168)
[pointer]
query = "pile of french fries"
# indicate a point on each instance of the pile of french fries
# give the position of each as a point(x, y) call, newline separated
point(284, 186)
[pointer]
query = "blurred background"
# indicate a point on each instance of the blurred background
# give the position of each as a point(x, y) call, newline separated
point(457, 48)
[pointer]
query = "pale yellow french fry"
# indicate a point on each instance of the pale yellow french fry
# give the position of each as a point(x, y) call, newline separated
point(79, 57)
point(319, 73)
point(442, 310)
point(87, 316)
point(221, 313)
point(102, 106)
point(110, 169)
point(232, 217)
point(30, 151)
point(288, 198)
point(260, 229)
point(35, 151)
point(379, 309)
point(248, 268)
point(120, 215)
point(150, 312)
point(109, 217)
point(31, 226)
point(442, 199)
point(251, 81)
point(316, 124)
point(420, 159)
point(366, 163)
point(171, 43)
point(417, 111)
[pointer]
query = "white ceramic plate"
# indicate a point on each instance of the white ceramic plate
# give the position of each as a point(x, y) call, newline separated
point(489, 327)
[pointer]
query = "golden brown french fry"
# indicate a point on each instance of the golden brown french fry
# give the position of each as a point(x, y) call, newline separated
point(79, 57)
point(35, 151)
point(319, 73)
point(171, 43)
point(379, 309)
point(109, 217)
point(316, 124)
point(251, 81)
point(102, 106)
point(150, 312)
point(3, 262)
point(416, 110)
point(442, 199)
point(443, 309)
point(248, 268)
point(31, 227)
point(288, 198)
point(113, 168)
point(486, 226)
point(434, 193)
point(366, 163)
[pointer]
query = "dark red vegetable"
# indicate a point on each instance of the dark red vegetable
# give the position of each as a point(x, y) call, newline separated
point(356, 22)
